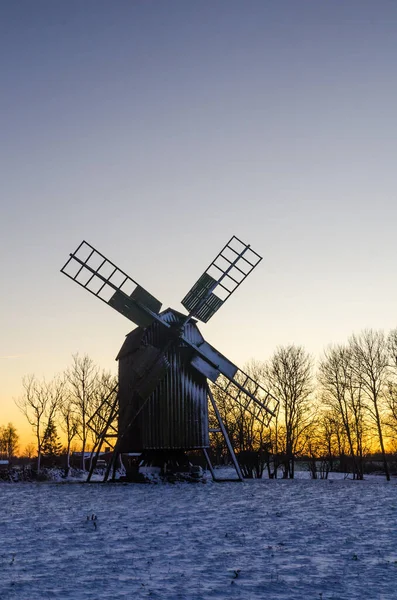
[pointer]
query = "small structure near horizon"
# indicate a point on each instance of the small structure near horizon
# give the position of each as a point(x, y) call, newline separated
point(102, 460)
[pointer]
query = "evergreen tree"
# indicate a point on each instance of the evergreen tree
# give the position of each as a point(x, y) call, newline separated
point(51, 444)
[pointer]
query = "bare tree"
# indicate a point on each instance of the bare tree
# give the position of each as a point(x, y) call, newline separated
point(245, 425)
point(289, 377)
point(332, 434)
point(82, 379)
point(104, 395)
point(9, 441)
point(342, 393)
point(391, 403)
point(318, 446)
point(391, 391)
point(273, 437)
point(69, 425)
point(231, 415)
point(371, 367)
point(29, 451)
point(91, 395)
point(39, 404)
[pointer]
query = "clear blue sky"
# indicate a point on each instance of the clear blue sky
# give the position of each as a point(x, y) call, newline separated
point(156, 130)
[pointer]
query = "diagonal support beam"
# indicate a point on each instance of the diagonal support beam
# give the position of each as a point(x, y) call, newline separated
point(225, 435)
point(108, 424)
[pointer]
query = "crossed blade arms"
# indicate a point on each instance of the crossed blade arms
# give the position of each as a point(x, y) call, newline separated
point(102, 278)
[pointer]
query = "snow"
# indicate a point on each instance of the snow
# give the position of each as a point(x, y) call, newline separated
point(272, 539)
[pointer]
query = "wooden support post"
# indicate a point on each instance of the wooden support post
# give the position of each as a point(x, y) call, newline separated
point(94, 461)
point(108, 423)
point(209, 463)
point(112, 463)
point(225, 435)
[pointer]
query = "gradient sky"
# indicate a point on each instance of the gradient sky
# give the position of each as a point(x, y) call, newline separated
point(157, 130)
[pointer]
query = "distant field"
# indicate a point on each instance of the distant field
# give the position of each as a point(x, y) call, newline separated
point(302, 539)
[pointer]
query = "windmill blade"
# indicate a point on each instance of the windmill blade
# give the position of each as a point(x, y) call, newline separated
point(233, 264)
point(240, 386)
point(102, 278)
point(210, 362)
point(250, 395)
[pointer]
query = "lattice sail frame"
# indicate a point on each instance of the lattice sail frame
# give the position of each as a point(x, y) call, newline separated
point(102, 278)
point(224, 275)
point(250, 395)
point(104, 420)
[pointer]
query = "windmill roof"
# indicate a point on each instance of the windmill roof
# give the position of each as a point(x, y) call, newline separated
point(180, 315)
point(131, 343)
point(134, 339)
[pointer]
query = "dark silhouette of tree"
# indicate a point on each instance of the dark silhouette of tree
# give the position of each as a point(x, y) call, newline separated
point(100, 409)
point(51, 447)
point(29, 451)
point(82, 379)
point(289, 378)
point(391, 393)
point(69, 424)
point(39, 404)
point(9, 441)
point(342, 392)
point(245, 426)
point(371, 367)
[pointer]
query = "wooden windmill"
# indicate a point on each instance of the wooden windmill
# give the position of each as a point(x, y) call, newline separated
point(165, 364)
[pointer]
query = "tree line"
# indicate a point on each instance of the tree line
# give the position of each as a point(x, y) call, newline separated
point(344, 406)
point(69, 402)
point(340, 408)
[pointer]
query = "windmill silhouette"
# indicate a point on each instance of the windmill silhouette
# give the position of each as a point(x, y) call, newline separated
point(160, 406)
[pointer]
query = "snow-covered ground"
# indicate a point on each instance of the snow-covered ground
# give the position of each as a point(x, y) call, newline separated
point(288, 540)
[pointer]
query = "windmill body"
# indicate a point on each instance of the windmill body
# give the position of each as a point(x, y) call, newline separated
point(175, 415)
point(165, 363)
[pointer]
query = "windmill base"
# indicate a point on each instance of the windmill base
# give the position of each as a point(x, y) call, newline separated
point(168, 462)
point(167, 465)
